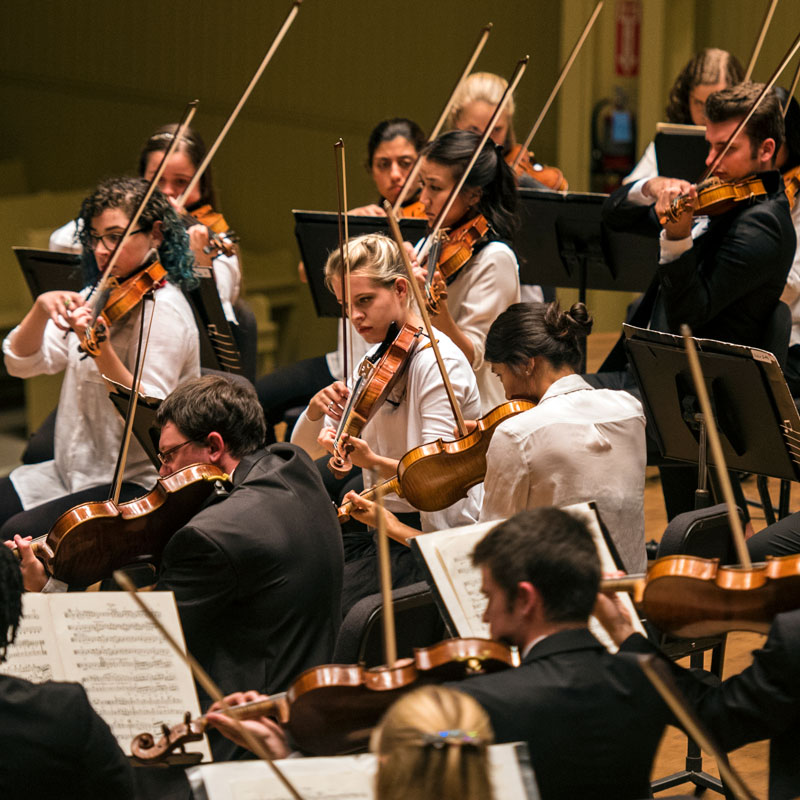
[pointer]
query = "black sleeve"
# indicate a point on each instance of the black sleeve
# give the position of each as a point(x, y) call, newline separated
point(105, 769)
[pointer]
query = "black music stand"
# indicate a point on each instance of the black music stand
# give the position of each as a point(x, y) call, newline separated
point(47, 271)
point(317, 235)
point(681, 150)
point(562, 241)
point(145, 428)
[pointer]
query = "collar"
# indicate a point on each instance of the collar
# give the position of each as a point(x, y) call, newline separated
point(565, 385)
point(569, 640)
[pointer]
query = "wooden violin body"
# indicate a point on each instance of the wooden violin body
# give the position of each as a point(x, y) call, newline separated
point(692, 597)
point(415, 210)
point(88, 542)
point(221, 239)
point(716, 197)
point(551, 177)
point(791, 182)
point(332, 709)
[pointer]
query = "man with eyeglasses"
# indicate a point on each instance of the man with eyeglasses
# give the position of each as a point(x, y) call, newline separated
point(257, 573)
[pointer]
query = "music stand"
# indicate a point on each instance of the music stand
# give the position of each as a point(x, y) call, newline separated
point(562, 241)
point(681, 150)
point(317, 235)
point(145, 428)
point(47, 271)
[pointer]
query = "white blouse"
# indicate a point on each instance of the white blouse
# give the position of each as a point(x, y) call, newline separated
point(88, 427)
point(416, 412)
point(577, 445)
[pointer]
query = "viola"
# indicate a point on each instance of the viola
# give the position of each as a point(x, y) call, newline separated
point(331, 709)
point(374, 384)
point(692, 597)
point(88, 542)
point(414, 210)
point(122, 299)
point(551, 177)
point(221, 239)
point(436, 475)
point(716, 197)
point(791, 182)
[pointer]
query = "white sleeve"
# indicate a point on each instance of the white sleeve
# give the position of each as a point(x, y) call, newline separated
point(672, 249)
point(646, 168)
point(65, 239)
point(791, 293)
point(505, 489)
point(228, 277)
point(494, 286)
point(305, 432)
point(50, 359)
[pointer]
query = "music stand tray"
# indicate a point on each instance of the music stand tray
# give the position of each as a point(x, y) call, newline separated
point(48, 271)
point(757, 419)
point(562, 241)
point(317, 235)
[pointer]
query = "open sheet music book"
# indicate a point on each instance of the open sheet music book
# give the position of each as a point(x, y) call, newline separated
point(343, 777)
point(447, 556)
point(103, 641)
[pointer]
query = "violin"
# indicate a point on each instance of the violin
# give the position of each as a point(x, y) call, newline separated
point(331, 709)
point(221, 239)
point(716, 197)
point(791, 182)
point(693, 597)
point(88, 542)
point(124, 297)
point(551, 177)
point(415, 210)
point(375, 382)
point(436, 475)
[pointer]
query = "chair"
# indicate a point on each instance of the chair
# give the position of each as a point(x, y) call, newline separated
point(418, 623)
point(704, 533)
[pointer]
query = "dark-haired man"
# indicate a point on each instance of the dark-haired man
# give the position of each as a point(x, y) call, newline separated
point(257, 575)
point(591, 719)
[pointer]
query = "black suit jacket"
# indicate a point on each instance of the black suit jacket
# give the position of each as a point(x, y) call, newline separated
point(761, 702)
point(591, 719)
point(55, 746)
point(728, 283)
point(257, 576)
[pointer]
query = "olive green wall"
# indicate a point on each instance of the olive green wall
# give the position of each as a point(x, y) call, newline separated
point(82, 83)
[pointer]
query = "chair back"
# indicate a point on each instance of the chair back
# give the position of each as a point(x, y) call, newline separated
point(704, 533)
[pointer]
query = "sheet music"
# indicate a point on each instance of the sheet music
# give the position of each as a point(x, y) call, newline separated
point(339, 778)
point(34, 655)
point(132, 676)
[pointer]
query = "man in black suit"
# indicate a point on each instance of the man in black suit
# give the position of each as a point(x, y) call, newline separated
point(761, 702)
point(591, 719)
point(53, 742)
point(724, 275)
point(257, 573)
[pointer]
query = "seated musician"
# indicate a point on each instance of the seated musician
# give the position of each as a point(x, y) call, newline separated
point(88, 429)
point(256, 574)
point(53, 742)
point(417, 410)
point(578, 444)
point(591, 719)
point(761, 702)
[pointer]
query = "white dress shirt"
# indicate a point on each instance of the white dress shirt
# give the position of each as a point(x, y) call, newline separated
point(88, 427)
point(577, 445)
point(416, 412)
point(791, 294)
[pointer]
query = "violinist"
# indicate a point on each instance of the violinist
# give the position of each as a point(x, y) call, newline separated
point(417, 410)
point(489, 281)
point(53, 742)
point(256, 572)
point(392, 150)
point(88, 429)
point(761, 702)
point(707, 72)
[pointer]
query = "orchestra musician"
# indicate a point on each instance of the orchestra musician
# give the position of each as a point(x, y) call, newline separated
point(417, 410)
point(707, 72)
point(392, 150)
point(761, 702)
point(53, 741)
point(489, 281)
point(256, 573)
point(88, 429)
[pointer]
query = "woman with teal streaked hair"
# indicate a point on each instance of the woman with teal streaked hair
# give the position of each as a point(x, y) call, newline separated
point(88, 429)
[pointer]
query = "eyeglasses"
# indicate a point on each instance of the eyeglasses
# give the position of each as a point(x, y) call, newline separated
point(109, 240)
point(167, 456)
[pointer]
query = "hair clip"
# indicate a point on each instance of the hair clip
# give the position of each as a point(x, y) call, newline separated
point(457, 737)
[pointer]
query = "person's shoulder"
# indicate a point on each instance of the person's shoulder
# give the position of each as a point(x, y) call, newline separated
point(496, 252)
point(68, 696)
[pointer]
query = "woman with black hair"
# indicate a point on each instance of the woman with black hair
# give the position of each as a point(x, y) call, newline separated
point(578, 444)
point(489, 282)
point(88, 430)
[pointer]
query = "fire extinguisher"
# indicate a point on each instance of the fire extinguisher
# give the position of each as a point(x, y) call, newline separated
point(613, 142)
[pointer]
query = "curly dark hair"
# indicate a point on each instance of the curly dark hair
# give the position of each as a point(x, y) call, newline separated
point(10, 599)
point(530, 330)
point(709, 66)
point(125, 194)
point(498, 201)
